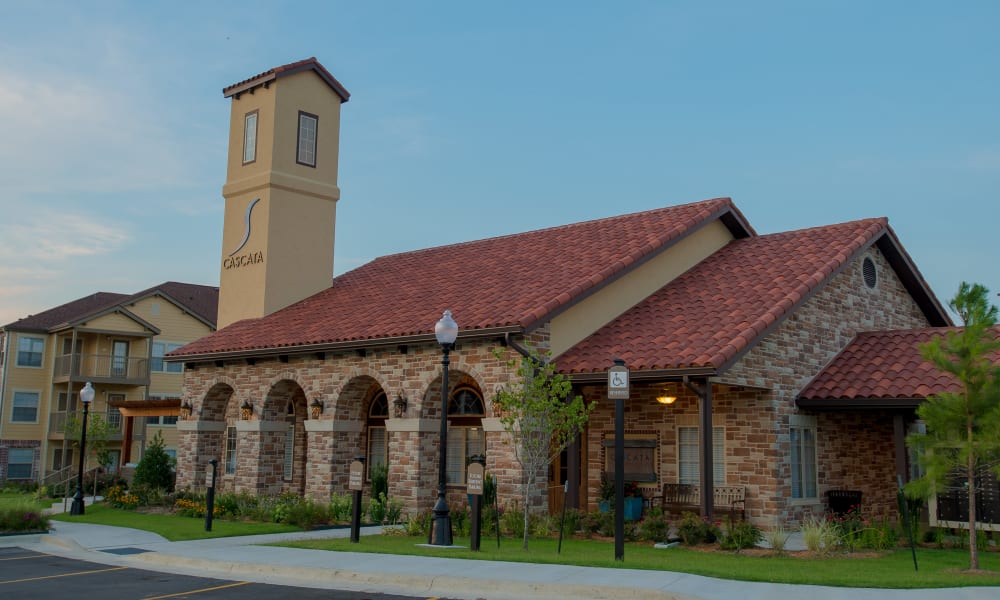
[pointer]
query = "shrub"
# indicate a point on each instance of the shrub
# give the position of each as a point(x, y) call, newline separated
point(777, 538)
point(418, 524)
point(543, 525)
point(376, 509)
point(740, 535)
point(121, 498)
point(154, 470)
point(305, 514)
point(819, 535)
point(393, 511)
point(380, 480)
point(655, 527)
point(460, 521)
point(512, 521)
point(22, 515)
point(572, 521)
point(340, 508)
point(695, 530)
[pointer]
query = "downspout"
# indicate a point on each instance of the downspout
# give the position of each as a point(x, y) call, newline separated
point(508, 339)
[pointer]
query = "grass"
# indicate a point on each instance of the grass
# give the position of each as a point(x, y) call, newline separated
point(21, 512)
point(172, 527)
point(938, 568)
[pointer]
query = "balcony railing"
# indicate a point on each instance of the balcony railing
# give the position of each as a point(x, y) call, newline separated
point(101, 367)
point(58, 419)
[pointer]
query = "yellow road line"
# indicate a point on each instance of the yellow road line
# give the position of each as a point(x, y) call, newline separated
point(218, 587)
point(24, 557)
point(63, 575)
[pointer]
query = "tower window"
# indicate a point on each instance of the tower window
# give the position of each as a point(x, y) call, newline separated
point(250, 137)
point(306, 154)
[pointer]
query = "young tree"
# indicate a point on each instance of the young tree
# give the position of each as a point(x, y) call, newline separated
point(154, 468)
point(99, 432)
point(963, 428)
point(540, 418)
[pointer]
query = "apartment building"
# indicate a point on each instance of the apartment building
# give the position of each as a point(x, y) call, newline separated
point(117, 342)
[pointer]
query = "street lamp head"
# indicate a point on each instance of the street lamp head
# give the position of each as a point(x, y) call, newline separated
point(87, 394)
point(446, 329)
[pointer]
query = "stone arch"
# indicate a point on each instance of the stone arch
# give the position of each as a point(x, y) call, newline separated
point(214, 404)
point(430, 384)
point(282, 438)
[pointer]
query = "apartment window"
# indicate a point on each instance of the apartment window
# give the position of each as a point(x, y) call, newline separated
point(161, 420)
point(20, 462)
point(250, 137)
point(29, 351)
point(465, 432)
point(230, 450)
point(306, 153)
point(378, 446)
point(114, 415)
point(25, 409)
point(689, 455)
point(159, 365)
point(802, 436)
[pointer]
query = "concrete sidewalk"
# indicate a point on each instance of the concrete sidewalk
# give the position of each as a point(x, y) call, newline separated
point(242, 558)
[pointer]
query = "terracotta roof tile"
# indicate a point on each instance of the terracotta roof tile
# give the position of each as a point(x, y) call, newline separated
point(724, 304)
point(285, 70)
point(512, 281)
point(883, 365)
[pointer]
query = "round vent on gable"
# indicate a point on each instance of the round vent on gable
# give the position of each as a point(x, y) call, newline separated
point(869, 272)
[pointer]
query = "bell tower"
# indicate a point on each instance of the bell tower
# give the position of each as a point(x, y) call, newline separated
point(281, 189)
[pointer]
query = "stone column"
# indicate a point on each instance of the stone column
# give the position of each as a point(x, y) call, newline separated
point(331, 446)
point(197, 443)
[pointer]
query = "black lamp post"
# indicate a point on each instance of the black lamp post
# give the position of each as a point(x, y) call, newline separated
point(86, 396)
point(445, 331)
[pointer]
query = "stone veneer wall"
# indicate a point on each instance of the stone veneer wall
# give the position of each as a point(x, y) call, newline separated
point(343, 382)
point(786, 360)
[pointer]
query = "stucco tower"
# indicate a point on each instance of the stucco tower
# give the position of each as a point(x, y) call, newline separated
point(281, 189)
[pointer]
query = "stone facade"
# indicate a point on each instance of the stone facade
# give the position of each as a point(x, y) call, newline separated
point(754, 400)
point(280, 391)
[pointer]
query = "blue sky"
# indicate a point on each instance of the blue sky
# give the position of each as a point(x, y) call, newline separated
point(470, 120)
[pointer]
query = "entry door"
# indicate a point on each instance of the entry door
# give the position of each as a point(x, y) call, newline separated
point(119, 358)
point(558, 473)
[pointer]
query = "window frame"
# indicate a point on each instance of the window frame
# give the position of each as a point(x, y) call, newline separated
point(803, 472)
point(463, 420)
point(30, 352)
point(299, 139)
point(378, 414)
point(172, 368)
point(14, 407)
point(231, 447)
point(30, 463)
point(718, 454)
point(255, 114)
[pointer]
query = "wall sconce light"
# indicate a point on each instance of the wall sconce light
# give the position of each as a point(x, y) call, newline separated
point(316, 408)
point(185, 410)
point(246, 410)
point(399, 406)
point(665, 399)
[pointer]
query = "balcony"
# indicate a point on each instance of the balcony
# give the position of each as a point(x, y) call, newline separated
point(57, 424)
point(101, 368)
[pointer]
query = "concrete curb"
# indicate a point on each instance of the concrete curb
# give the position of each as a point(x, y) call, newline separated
point(404, 584)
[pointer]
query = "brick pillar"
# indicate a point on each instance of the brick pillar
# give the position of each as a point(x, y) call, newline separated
point(331, 446)
point(197, 443)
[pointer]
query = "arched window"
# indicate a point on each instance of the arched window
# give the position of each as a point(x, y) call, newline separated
point(378, 446)
point(465, 431)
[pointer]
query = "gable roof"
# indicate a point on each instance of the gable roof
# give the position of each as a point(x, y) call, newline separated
point(707, 318)
point(264, 79)
point(200, 300)
point(881, 369)
point(504, 284)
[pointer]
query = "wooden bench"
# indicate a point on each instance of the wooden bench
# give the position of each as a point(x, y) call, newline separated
point(681, 497)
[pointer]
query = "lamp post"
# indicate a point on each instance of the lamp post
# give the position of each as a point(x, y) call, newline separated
point(445, 331)
point(86, 396)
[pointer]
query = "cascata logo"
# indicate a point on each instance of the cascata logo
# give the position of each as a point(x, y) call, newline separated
point(251, 258)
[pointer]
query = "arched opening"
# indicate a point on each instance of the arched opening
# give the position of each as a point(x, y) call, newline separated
point(378, 441)
point(282, 459)
point(466, 438)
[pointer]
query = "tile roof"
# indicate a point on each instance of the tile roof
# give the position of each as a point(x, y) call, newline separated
point(710, 315)
point(882, 365)
point(201, 300)
point(511, 282)
point(65, 313)
point(283, 71)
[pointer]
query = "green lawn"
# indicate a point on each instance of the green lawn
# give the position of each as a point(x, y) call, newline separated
point(174, 528)
point(938, 568)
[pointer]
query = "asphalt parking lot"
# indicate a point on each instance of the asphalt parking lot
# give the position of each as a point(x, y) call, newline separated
point(30, 574)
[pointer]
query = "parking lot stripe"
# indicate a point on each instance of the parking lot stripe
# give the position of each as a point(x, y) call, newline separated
point(63, 575)
point(23, 557)
point(218, 587)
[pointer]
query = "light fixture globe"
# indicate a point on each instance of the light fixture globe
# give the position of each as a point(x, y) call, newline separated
point(446, 329)
point(87, 394)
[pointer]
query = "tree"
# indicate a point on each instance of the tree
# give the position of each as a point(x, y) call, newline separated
point(98, 433)
point(963, 428)
point(540, 418)
point(154, 468)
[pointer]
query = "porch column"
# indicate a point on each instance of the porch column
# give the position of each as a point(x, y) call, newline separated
point(899, 439)
point(704, 392)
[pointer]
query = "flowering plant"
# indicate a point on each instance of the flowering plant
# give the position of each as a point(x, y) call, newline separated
point(632, 489)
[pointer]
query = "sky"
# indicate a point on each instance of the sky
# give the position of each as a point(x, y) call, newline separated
point(471, 119)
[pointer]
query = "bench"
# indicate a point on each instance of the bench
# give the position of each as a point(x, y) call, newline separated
point(681, 497)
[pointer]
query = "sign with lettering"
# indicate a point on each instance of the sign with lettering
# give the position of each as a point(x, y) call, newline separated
point(618, 383)
point(356, 481)
point(474, 479)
